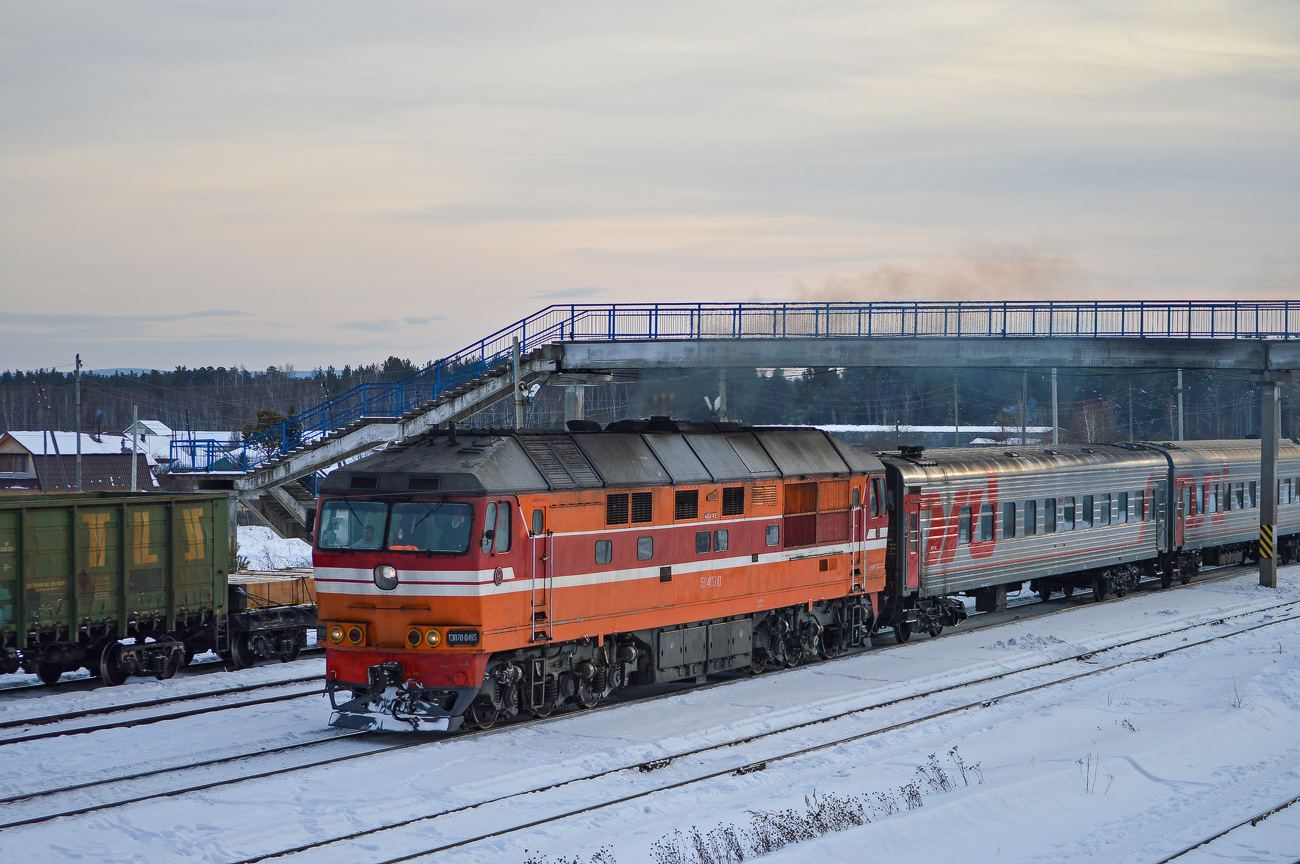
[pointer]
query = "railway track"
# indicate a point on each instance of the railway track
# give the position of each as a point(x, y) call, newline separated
point(187, 786)
point(52, 719)
point(1250, 821)
point(721, 760)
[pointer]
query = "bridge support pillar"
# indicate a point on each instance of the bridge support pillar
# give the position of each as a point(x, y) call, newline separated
point(1270, 429)
point(574, 402)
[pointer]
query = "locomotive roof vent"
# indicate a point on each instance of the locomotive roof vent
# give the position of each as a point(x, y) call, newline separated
point(364, 481)
point(582, 426)
point(1051, 452)
point(911, 449)
point(1011, 453)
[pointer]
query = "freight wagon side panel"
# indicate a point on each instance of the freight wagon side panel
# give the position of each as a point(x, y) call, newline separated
point(46, 563)
point(98, 563)
point(10, 549)
point(200, 556)
point(148, 561)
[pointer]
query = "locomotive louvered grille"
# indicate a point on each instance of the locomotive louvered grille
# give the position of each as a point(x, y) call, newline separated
point(733, 500)
point(763, 496)
point(575, 463)
point(687, 504)
point(616, 509)
point(560, 461)
point(641, 507)
point(548, 463)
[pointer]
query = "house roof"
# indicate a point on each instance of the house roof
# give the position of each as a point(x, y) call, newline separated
point(148, 427)
point(98, 471)
point(40, 443)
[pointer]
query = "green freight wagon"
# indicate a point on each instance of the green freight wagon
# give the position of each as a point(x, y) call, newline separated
point(125, 584)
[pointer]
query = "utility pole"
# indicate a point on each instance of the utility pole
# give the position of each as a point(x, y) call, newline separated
point(1024, 408)
point(135, 450)
point(1130, 413)
point(514, 376)
point(1180, 404)
point(956, 417)
point(1055, 424)
point(78, 422)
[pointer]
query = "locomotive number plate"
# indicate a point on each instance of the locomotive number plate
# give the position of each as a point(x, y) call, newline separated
point(462, 637)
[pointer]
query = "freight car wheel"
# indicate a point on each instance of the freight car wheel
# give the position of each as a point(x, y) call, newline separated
point(188, 658)
point(169, 667)
point(111, 668)
point(902, 631)
point(241, 655)
point(935, 631)
point(49, 673)
point(292, 654)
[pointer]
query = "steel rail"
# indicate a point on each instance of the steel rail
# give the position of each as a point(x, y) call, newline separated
point(656, 764)
point(1251, 820)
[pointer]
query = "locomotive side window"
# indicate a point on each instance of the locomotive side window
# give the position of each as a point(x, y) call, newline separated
point(538, 521)
point(641, 507)
point(857, 498)
point(701, 542)
point(645, 548)
point(352, 525)
point(503, 527)
point(1086, 521)
point(604, 551)
point(986, 523)
point(1067, 515)
point(1049, 516)
point(720, 540)
point(1031, 518)
point(733, 500)
point(616, 509)
point(875, 497)
point(773, 535)
point(489, 524)
point(963, 525)
point(1122, 508)
point(687, 504)
point(1009, 520)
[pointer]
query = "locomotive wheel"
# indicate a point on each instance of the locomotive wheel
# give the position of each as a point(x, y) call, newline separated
point(540, 711)
point(832, 643)
point(111, 668)
point(1099, 590)
point(585, 696)
point(935, 631)
point(49, 673)
point(757, 662)
point(481, 714)
point(902, 631)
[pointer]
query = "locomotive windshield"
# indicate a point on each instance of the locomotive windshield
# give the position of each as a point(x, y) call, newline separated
point(426, 526)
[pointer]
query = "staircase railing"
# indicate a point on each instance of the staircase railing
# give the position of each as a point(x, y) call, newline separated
point(654, 321)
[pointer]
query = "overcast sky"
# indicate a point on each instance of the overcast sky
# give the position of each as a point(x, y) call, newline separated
point(224, 183)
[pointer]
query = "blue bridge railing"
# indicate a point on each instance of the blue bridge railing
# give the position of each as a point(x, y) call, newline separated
point(1278, 319)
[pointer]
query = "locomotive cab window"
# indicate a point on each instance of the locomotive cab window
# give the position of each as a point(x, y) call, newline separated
point(604, 551)
point(875, 497)
point(501, 543)
point(352, 525)
point(430, 526)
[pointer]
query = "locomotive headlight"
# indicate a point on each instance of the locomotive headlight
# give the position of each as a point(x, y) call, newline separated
point(336, 633)
point(386, 577)
point(433, 637)
point(356, 635)
point(413, 638)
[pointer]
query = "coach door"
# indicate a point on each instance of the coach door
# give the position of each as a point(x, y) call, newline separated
point(912, 506)
point(1158, 500)
point(543, 552)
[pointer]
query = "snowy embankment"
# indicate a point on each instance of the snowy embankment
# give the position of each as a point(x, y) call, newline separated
point(1129, 765)
point(263, 550)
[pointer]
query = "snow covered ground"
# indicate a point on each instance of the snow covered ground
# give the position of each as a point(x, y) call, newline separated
point(1129, 765)
point(265, 551)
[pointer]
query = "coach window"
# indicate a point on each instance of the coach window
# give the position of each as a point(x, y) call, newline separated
point(720, 540)
point(773, 535)
point(1009, 520)
point(1241, 495)
point(1254, 491)
point(963, 525)
point(1031, 518)
point(1227, 498)
point(604, 551)
point(702, 543)
point(538, 523)
point(1049, 516)
point(1067, 513)
point(1085, 520)
point(1105, 510)
point(986, 523)
point(1139, 506)
point(645, 548)
point(1122, 512)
